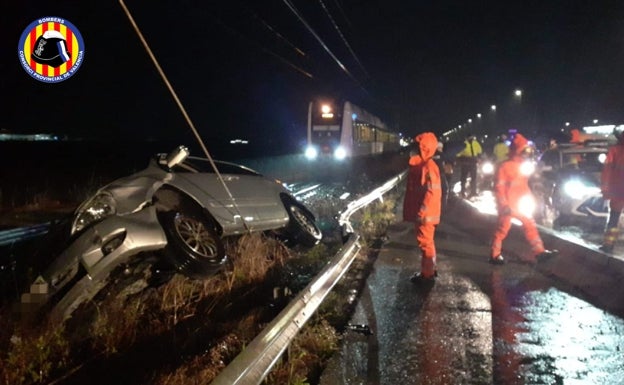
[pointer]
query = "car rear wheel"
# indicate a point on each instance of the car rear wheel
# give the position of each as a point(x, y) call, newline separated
point(302, 228)
point(193, 246)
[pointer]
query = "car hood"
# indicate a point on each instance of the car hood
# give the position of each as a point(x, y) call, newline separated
point(134, 191)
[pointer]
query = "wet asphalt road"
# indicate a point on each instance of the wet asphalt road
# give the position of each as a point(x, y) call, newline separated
point(479, 324)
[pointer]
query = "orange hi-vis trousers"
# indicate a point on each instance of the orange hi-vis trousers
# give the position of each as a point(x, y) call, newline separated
point(424, 236)
point(530, 233)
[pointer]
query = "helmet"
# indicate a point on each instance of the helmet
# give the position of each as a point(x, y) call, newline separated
point(51, 49)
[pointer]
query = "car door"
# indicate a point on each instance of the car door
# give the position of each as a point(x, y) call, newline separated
point(250, 201)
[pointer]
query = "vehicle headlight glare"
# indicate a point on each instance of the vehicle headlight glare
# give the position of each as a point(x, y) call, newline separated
point(576, 189)
point(602, 158)
point(340, 153)
point(527, 168)
point(311, 153)
point(487, 168)
point(94, 210)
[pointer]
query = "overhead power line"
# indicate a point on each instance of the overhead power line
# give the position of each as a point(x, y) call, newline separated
point(269, 27)
point(263, 49)
point(343, 38)
point(322, 43)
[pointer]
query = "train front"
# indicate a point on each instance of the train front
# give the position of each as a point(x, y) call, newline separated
point(325, 126)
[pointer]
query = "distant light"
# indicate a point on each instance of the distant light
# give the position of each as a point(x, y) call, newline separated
point(327, 115)
point(567, 124)
point(606, 129)
point(469, 120)
point(353, 116)
point(479, 116)
point(595, 121)
point(239, 141)
point(325, 109)
point(518, 92)
point(493, 107)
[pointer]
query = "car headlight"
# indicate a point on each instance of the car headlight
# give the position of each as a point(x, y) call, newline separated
point(527, 168)
point(576, 189)
point(487, 168)
point(100, 206)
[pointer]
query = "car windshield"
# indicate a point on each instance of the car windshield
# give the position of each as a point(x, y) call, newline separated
point(587, 161)
point(201, 165)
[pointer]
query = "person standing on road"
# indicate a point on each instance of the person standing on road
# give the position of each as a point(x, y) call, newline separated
point(422, 203)
point(468, 159)
point(511, 188)
point(612, 186)
point(501, 149)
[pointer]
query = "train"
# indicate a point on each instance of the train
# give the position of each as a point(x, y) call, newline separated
point(340, 130)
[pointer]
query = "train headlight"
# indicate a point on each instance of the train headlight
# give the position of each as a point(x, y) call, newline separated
point(311, 153)
point(340, 153)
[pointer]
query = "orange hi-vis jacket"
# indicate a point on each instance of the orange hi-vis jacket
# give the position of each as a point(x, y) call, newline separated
point(612, 177)
point(511, 184)
point(423, 195)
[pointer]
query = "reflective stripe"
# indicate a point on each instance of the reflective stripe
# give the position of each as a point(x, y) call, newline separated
point(611, 236)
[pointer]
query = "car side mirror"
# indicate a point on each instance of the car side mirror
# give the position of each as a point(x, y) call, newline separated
point(177, 156)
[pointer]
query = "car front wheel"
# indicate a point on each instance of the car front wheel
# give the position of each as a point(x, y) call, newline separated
point(302, 228)
point(193, 246)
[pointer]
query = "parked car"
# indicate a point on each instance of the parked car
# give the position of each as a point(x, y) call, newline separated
point(179, 206)
point(567, 185)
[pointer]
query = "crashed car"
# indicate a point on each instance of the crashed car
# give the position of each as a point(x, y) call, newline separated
point(567, 186)
point(179, 206)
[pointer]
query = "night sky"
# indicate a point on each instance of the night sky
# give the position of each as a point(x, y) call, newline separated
point(248, 68)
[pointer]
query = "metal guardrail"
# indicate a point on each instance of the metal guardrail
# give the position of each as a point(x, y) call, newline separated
point(21, 233)
point(253, 364)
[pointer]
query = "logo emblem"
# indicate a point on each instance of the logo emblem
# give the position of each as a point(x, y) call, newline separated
point(51, 49)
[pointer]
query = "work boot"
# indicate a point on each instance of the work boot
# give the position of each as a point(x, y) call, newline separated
point(546, 255)
point(498, 260)
point(419, 280)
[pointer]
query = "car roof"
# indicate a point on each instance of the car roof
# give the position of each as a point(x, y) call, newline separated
point(576, 149)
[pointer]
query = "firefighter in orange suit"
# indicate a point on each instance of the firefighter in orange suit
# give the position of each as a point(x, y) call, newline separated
point(511, 188)
point(422, 204)
point(612, 186)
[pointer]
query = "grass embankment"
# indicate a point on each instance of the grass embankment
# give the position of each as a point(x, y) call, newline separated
point(186, 331)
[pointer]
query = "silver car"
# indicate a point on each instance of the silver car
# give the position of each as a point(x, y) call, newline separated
point(568, 185)
point(178, 205)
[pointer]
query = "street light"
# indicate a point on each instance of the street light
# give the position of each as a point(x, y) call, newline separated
point(493, 107)
point(479, 116)
point(595, 121)
point(518, 93)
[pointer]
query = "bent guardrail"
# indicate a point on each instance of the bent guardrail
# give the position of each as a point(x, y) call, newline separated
point(22, 233)
point(253, 364)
